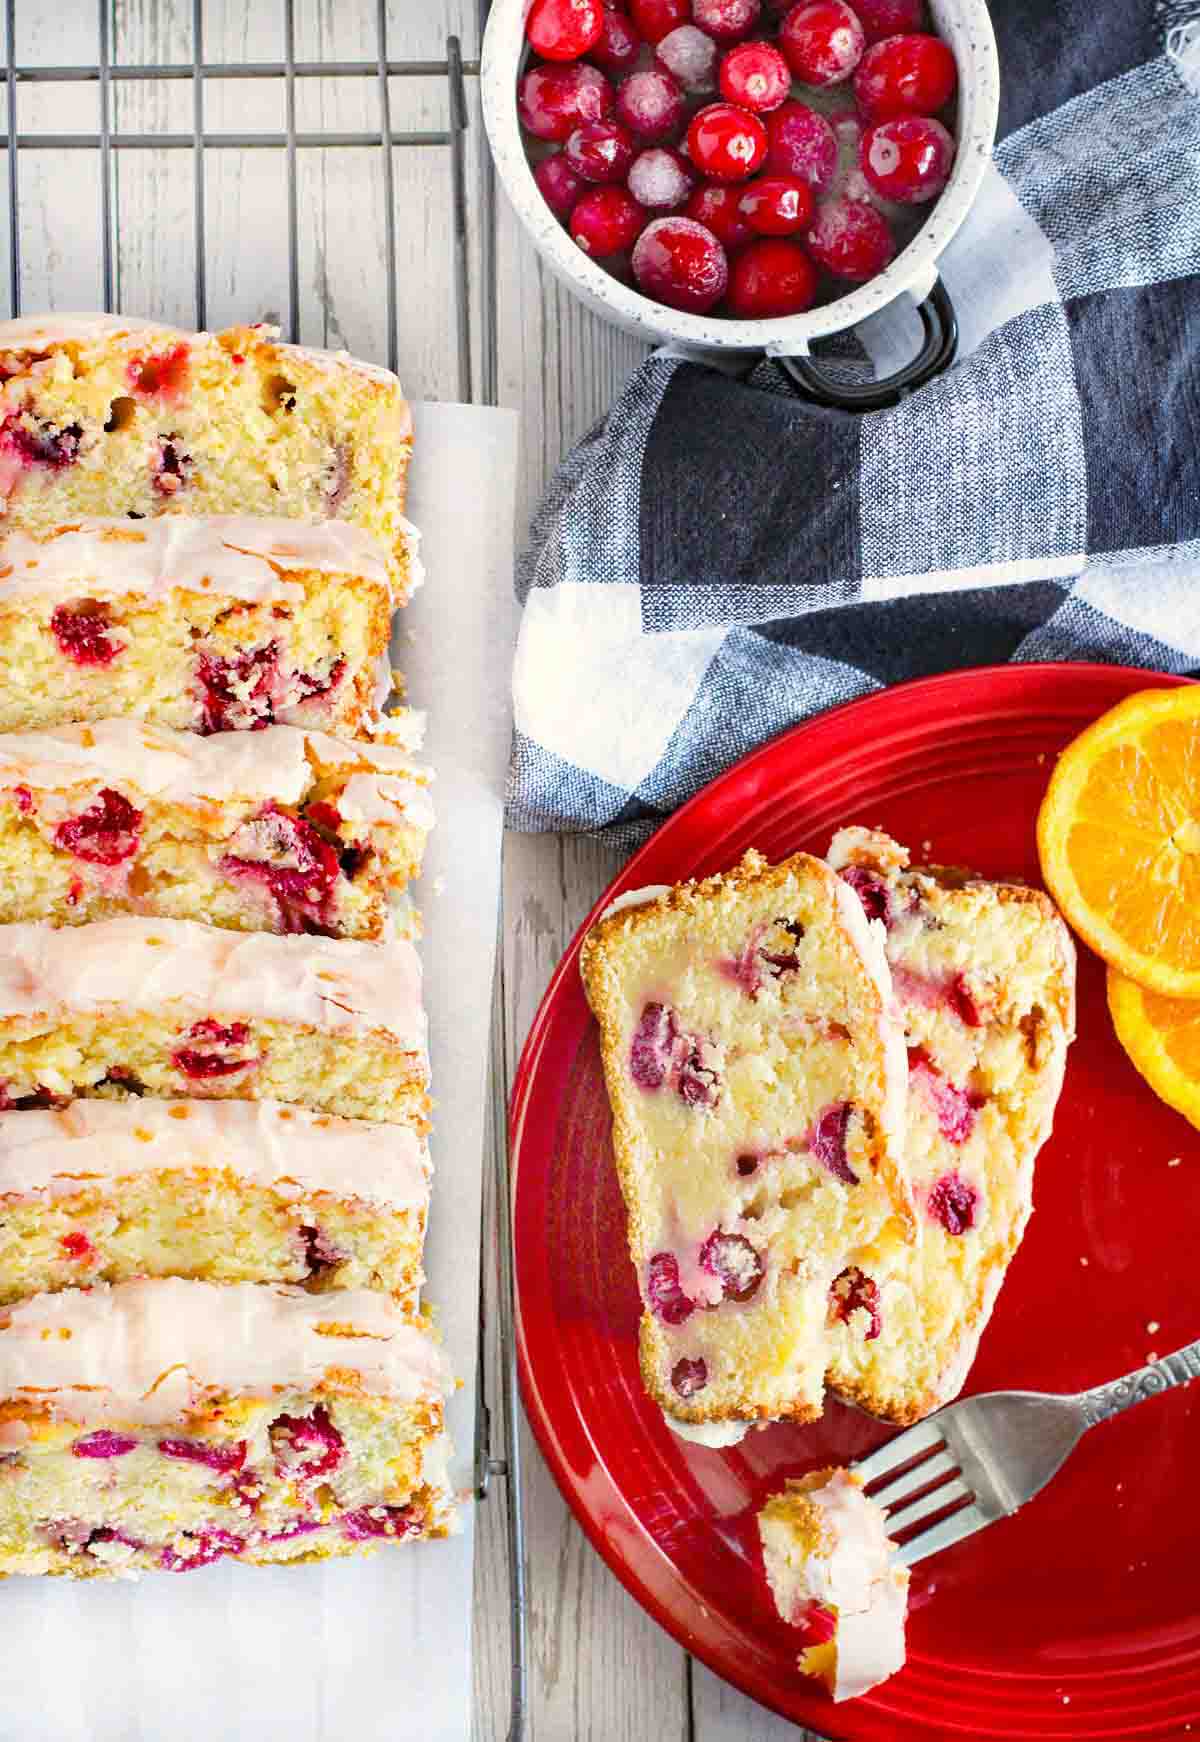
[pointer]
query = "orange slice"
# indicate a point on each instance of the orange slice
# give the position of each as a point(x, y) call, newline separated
point(1119, 838)
point(1162, 1037)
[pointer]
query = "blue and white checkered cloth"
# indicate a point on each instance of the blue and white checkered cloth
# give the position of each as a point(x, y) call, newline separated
point(717, 559)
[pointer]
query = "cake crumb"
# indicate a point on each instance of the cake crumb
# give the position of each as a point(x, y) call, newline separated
point(1041, 757)
point(1083, 1261)
point(1151, 1358)
point(1152, 1327)
point(1174, 1161)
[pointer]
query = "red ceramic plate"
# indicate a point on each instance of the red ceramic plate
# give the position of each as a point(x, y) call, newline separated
point(1080, 1616)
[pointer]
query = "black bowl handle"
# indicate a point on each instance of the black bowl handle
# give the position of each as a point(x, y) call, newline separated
point(936, 353)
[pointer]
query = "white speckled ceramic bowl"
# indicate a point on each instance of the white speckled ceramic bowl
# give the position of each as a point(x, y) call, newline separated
point(966, 27)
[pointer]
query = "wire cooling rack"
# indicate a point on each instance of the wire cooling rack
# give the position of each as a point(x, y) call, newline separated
point(108, 139)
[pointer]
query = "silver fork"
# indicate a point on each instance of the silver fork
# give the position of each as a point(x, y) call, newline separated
point(988, 1455)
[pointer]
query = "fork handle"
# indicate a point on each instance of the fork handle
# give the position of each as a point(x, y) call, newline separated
point(1103, 1401)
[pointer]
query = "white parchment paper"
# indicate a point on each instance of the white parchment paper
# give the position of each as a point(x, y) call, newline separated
point(373, 1651)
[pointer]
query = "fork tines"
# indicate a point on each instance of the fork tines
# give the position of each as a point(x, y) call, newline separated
point(918, 1479)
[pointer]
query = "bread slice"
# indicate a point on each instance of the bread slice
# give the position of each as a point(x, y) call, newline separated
point(756, 1079)
point(828, 1562)
point(985, 978)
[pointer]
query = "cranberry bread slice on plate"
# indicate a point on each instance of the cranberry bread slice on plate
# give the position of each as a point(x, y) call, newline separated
point(164, 1425)
point(280, 830)
point(985, 979)
point(173, 1008)
point(219, 624)
point(102, 414)
point(756, 1079)
point(218, 1191)
point(828, 1562)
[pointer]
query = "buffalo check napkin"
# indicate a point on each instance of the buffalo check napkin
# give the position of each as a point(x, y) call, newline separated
point(718, 559)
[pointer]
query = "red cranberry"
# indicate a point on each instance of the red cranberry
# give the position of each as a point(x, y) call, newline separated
point(827, 1142)
point(850, 239)
point(880, 18)
point(872, 891)
point(908, 159)
point(607, 221)
point(211, 1545)
point(755, 75)
point(717, 207)
point(952, 1202)
point(105, 833)
point(737, 1264)
point(822, 42)
point(38, 443)
point(664, 1296)
point(564, 29)
point(76, 1244)
point(236, 692)
point(223, 1459)
point(963, 1003)
point(690, 57)
point(769, 279)
point(651, 103)
point(600, 151)
point(320, 1253)
point(619, 44)
point(651, 1048)
point(161, 377)
point(682, 264)
point(851, 1292)
point(777, 205)
point(814, 1623)
point(104, 1444)
point(366, 1522)
point(306, 1446)
point(726, 142)
point(552, 101)
point(295, 862)
point(689, 1377)
point(558, 184)
point(200, 1063)
point(661, 179)
point(801, 142)
point(905, 75)
point(726, 20)
point(654, 18)
point(24, 799)
point(955, 1108)
point(171, 466)
point(80, 631)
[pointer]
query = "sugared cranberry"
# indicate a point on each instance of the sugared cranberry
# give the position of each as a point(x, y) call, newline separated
point(691, 59)
point(717, 207)
point(370, 1521)
point(735, 1262)
point(222, 1459)
point(769, 279)
point(558, 184)
point(872, 891)
point(170, 466)
point(826, 1142)
point(650, 102)
point(600, 151)
point(607, 221)
point(777, 205)
point(105, 833)
point(822, 41)
point(908, 159)
point(661, 179)
point(236, 691)
point(618, 45)
point(963, 1002)
point(553, 101)
point(726, 142)
point(726, 20)
point(210, 1546)
point(952, 1203)
point(81, 632)
point(77, 1246)
point(682, 264)
point(689, 1377)
point(755, 75)
point(34, 442)
point(651, 1049)
point(880, 18)
point(905, 75)
point(802, 143)
point(853, 1291)
point(306, 1446)
point(564, 29)
point(851, 240)
point(664, 1295)
point(294, 861)
point(104, 1444)
point(164, 376)
point(814, 1623)
point(654, 18)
